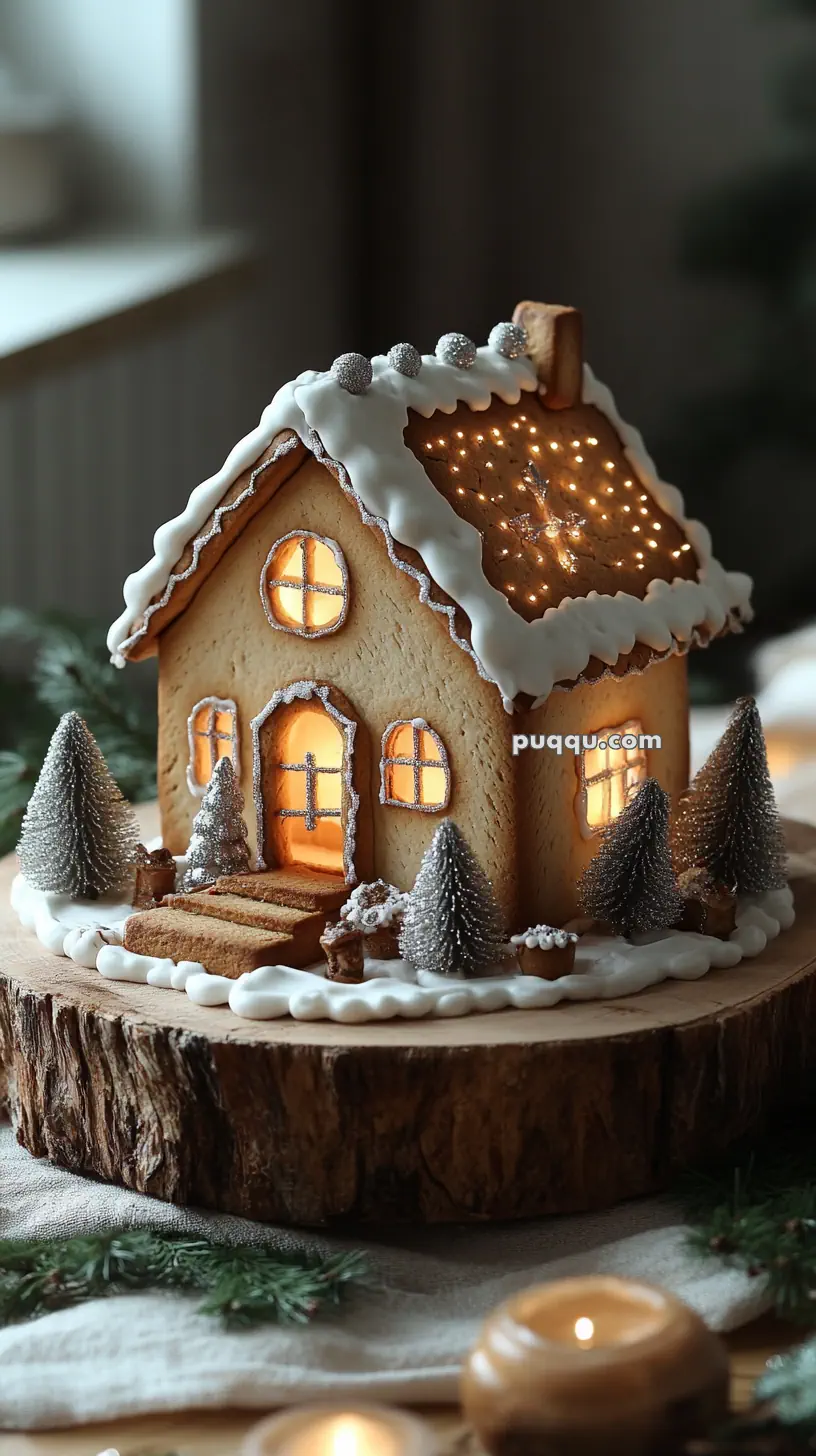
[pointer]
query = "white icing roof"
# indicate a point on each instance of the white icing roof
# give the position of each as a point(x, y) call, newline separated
point(364, 433)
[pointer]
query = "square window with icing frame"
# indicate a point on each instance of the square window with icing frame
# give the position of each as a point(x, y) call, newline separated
point(608, 778)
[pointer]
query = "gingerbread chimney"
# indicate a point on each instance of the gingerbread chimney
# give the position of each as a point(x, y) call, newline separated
point(554, 335)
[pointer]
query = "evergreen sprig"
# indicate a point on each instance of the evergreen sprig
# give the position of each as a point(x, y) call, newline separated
point(69, 671)
point(760, 1216)
point(243, 1286)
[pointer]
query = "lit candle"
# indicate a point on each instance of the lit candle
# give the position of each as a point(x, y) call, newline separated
point(334, 1431)
point(596, 1366)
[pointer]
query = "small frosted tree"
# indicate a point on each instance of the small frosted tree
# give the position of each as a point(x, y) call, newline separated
point(630, 883)
point(218, 845)
point(452, 922)
point(79, 833)
point(728, 823)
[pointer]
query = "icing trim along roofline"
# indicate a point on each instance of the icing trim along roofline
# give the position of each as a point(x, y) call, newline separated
point(362, 434)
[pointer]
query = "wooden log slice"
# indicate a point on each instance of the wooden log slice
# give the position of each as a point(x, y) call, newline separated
point(501, 1116)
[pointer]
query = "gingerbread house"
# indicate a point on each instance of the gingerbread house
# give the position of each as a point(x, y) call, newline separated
point(406, 595)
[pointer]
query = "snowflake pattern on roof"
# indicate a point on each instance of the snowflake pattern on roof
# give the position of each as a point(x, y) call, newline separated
point(557, 529)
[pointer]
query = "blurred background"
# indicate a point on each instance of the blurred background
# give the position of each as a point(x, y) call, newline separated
point(199, 199)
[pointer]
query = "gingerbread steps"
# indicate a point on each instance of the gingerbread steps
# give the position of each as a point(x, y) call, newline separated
point(223, 948)
point(305, 926)
point(300, 889)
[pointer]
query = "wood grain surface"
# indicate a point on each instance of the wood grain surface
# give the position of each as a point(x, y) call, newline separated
point(508, 1115)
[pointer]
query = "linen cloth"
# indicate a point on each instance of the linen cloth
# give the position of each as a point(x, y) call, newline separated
point(402, 1340)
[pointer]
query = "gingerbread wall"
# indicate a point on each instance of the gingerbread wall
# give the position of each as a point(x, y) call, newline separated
point(555, 852)
point(392, 658)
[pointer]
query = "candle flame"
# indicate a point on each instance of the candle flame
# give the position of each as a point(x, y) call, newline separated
point(584, 1330)
point(345, 1437)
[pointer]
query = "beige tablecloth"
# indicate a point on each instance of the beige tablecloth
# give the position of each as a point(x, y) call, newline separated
point(402, 1341)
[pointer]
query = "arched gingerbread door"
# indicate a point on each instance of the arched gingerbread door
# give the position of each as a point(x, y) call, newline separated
point(306, 803)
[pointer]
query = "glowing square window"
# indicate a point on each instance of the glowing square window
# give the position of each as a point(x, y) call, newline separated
point(609, 777)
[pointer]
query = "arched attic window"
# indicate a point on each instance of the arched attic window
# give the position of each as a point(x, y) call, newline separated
point(304, 585)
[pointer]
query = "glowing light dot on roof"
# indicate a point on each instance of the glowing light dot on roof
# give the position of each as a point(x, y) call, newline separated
point(510, 586)
point(609, 465)
point(644, 497)
point(643, 511)
point(572, 486)
point(523, 419)
point(656, 526)
point(591, 440)
point(675, 553)
point(460, 490)
point(686, 547)
point(489, 464)
point(429, 445)
point(506, 551)
point(455, 469)
point(480, 439)
point(463, 452)
point(579, 460)
point(536, 449)
point(640, 566)
point(440, 442)
point(652, 544)
point(554, 445)
point(592, 501)
point(627, 508)
point(628, 484)
point(636, 528)
point(516, 425)
point(610, 490)
point(482, 495)
point(639, 555)
point(576, 444)
point(496, 433)
point(604, 516)
point(532, 596)
point(460, 434)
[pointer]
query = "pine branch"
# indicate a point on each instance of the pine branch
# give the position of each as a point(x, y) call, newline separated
point(243, 1287)
point(760, 1216)
point(69, 671)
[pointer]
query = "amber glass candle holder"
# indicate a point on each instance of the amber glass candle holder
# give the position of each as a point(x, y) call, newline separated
point(596, 1366)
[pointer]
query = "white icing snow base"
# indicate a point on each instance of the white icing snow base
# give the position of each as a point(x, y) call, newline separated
point(605, 967)
point(364, 434)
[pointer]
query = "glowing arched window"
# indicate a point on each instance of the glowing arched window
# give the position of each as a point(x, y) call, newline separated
point(414, 771)
point(304, 585)
point(212, 731)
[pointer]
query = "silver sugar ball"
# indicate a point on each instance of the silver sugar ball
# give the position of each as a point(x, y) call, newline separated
point(456, 349)
point(509, 340)
point(352, 372)
point(405, 359)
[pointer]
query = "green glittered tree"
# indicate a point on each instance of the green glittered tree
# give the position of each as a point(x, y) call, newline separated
point(630, 884)
point(728, 823)
point(453, 924)
point(79, 833)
